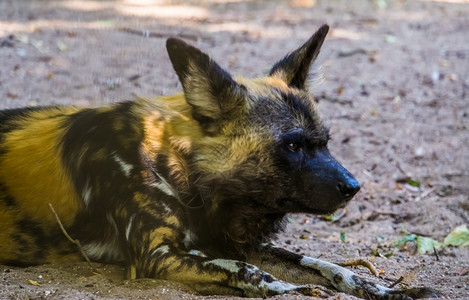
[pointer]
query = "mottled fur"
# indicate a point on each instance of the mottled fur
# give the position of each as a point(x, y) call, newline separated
point(214, 169)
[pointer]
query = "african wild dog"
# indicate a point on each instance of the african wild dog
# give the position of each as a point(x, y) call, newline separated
point(214, 169)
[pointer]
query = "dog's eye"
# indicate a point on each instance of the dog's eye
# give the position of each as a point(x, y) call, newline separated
point(294, 141)
point(294, 147)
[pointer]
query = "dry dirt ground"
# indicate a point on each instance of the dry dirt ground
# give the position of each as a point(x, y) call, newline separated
point(394, 90)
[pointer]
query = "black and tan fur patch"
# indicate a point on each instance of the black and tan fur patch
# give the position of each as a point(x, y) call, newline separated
point(213, 169)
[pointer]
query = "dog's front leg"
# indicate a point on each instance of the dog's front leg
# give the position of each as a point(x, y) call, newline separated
point(211, 276)
point(300, 269)
point(154, 249)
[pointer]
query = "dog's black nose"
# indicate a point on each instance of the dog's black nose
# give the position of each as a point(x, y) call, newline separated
point(349, 188)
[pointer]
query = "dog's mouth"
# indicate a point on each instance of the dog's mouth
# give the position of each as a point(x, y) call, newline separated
point(292, 205)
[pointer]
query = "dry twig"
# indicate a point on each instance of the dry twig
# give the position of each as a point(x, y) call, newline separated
point(396, 282)
point(361, 262)
point(463, 271)
point(424, 194)
point(76, 242)
point(436, 254)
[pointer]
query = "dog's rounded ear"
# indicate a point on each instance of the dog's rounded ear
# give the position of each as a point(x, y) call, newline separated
point(209, 89)
point(294, 67)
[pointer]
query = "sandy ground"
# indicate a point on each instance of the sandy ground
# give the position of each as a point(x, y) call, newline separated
point(394, 90)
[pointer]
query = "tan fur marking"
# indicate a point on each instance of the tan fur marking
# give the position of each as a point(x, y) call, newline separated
point(153, 126)
point(132, 272)
point(172, 220)
point(161, 234)
point(32, 169)
point(265, 86)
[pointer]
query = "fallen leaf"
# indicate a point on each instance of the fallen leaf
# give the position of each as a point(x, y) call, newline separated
point(106, 23)
point(62, 46)
point(389, 38)
point(33, 282)
point(342, 236)
point(11, 95)
point(413, 182)
point(340, 90)
point(376, 252)
point(22, 38)
point(463, 272)
point(381, 4)
point(426, 244)
point(459, 236)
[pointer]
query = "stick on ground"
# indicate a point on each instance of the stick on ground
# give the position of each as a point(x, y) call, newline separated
point(396, 282)
point(361, 262)
point(76, 242)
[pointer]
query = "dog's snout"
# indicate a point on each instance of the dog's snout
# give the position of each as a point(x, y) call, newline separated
point(348, 189)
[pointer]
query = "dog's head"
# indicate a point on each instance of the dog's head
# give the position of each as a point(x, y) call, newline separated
point(263, 143)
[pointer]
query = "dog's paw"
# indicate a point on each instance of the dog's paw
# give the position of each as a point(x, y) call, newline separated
point(412, 293)
point(421, 292)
